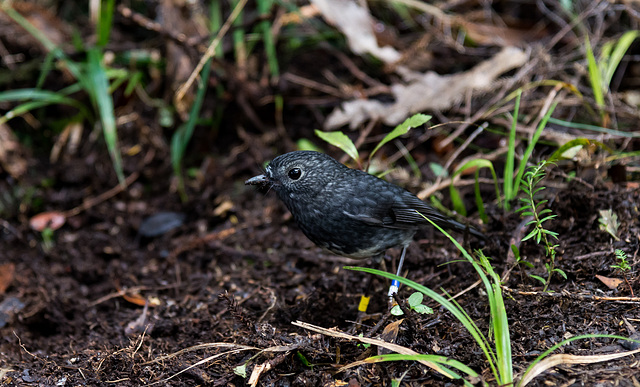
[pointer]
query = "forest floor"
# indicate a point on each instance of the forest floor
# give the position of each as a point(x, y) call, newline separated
point(109, 299)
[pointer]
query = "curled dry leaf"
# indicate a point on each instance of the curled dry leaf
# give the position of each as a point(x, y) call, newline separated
point(52, 219)
point(500, 35)
point(426, 92)
point(356, 24)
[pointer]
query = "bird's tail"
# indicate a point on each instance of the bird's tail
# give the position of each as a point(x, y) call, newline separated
point(451, 224)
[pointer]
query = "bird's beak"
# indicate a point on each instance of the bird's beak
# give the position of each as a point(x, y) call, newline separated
point(257, 180)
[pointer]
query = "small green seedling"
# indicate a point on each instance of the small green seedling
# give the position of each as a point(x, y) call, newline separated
point(415, 303)
point(623, 265)
point(519, 259)
point(304, 360)
point(47, 239)
point(438, 170)
point(342, 141)
point(241, 370)
point(533, 207)
point(363, 345)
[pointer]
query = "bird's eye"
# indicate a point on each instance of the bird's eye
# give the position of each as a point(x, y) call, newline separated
point(294, 173)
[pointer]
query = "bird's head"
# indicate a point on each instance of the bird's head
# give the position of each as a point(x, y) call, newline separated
point(298, 174)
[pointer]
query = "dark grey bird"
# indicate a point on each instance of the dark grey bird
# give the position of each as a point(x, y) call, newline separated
point(347, 211)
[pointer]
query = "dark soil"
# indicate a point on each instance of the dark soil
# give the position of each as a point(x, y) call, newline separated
point(243, 275)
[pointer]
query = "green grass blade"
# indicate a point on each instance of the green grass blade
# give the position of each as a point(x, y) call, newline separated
point(183, 135)
point(132, 82)
point(410, 160)
point(42, 38)
point(613, 61)
point(456, 200)
point(479, 203)
point(477, 164)
point(264, 7)
point(45, 69)
point(532, 144)
point(238, 35)
point(215, 23)
point(118, 77)
point(41, 96)
point(510, 161)
point(492, 355)
point(22, 109)
point(502, 359)
point(500, 322)
point(105, 21)
point(447, 304)
point(595, 78)
point(98, 87)
point(30, 28)
point(437, 359)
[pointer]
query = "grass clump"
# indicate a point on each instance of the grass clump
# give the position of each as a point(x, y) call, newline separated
point(496, 345)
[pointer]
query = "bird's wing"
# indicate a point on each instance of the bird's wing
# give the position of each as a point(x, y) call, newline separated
point(369, 210)
point(398, 209)
point(412, 211)
point(367, 199)
point(375, 202)
point(393, 212)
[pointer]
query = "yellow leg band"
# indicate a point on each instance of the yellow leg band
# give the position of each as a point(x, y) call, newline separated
point(364, 304)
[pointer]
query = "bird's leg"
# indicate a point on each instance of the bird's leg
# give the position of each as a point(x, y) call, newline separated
point(395, 284)
point(393, 289)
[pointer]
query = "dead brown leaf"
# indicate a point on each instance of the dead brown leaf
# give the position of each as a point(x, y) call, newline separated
point(428, 91)
point(489, 35)
point(6, 276)
point(611, 283)
point(51, 219)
